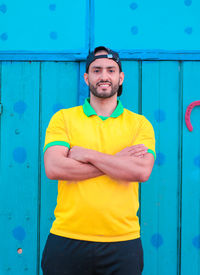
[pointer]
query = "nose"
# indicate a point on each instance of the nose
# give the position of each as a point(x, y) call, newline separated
point(104, 75)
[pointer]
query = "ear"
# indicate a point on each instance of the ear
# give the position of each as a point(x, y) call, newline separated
point(86, 78)
point(121, 78)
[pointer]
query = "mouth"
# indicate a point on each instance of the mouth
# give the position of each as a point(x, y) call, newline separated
point(104, 85)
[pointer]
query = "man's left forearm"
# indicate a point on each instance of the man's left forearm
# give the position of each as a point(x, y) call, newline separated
point(126, 168)
point(130, 164)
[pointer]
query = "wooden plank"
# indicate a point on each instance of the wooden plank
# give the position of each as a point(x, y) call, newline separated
point(131, 86)
point(190, 241)
point(83, 89)
point(19, 167)
point(59, 89)
point(159, 201)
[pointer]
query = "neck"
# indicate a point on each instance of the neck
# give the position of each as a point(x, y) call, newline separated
point(103, 106)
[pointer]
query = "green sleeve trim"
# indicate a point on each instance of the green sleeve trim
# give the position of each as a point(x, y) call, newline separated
point(62, 143)
point(152, 152)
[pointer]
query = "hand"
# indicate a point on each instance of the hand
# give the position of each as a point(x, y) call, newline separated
point(138, 150)
point(79, 153)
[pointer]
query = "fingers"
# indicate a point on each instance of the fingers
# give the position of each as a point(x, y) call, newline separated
point(139, 154)
point(138, 150)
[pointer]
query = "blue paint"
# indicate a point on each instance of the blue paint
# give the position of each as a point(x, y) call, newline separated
point(160, 115)
point(157, 240)
point(4, 36)
point(188, 2)
point(3, 8)
point(52, 7)
point(53, 35)
point(195, 175)
point(188, 30)
point(134, 30)
point(19, 154)
point(133, 6)
point(197, 161)
point(196, 241)
point(19, 233)
point(20, 107)
point(57, 107)
point(160, 159)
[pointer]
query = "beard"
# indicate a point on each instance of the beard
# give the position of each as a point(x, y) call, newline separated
point(102, 94)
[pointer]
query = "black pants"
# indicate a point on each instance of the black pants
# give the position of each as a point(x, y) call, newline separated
point(74, 257)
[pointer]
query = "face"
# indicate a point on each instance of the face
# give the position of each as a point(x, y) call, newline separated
point(104, 77)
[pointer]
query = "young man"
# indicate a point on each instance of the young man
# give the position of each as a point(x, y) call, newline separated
point(98, 152)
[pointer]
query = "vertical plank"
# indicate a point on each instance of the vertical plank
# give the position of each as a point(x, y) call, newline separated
point(131, 89)
point(59, 89)
point(83, 89)
point(190, 257)
point(159, 201)
point(19, 167)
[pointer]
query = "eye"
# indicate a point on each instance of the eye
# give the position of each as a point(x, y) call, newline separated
point(96, 71)
point(111, 71)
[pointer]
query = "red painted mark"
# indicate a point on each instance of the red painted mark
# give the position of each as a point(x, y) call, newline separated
point(188, 113)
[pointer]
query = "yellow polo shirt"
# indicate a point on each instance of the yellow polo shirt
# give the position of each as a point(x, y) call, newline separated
point(100, 209)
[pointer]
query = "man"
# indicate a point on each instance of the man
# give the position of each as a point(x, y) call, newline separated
point(98, 152)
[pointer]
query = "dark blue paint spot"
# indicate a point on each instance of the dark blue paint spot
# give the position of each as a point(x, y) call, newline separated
point(19, 233)
point(3, 8)
point(52, 7)
point(159, 115)
point(160, 159)
point(57, 107)
point(188, 2)
point(20, 107)
point(133, 6)
point(197, 161)
point(196, 241)
point(19, 154)
point(4, 36)
point(157, 240)
point(188, 30)
point(53, 35)
point(134, 30)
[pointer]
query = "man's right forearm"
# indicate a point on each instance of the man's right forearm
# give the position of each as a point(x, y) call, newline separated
point(63, 168)
point(60, 164)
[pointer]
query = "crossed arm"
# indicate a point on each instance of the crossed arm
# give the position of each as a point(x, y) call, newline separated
point(131, 164)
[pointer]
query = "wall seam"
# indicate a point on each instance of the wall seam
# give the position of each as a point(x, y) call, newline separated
point(91, 25)
point(140, 112)
point(180, 155)
point(39, 172)
point(1, 106)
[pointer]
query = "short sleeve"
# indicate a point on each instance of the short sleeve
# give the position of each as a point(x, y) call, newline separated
point(56, 133)
point(146, 136)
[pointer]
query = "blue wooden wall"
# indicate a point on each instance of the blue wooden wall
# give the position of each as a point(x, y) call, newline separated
point(31, 92)
point(41, 71)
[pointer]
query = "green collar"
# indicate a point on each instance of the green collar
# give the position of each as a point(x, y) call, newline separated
point(89, 111)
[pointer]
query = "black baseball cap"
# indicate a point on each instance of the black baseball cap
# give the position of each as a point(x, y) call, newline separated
point(111, 55)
